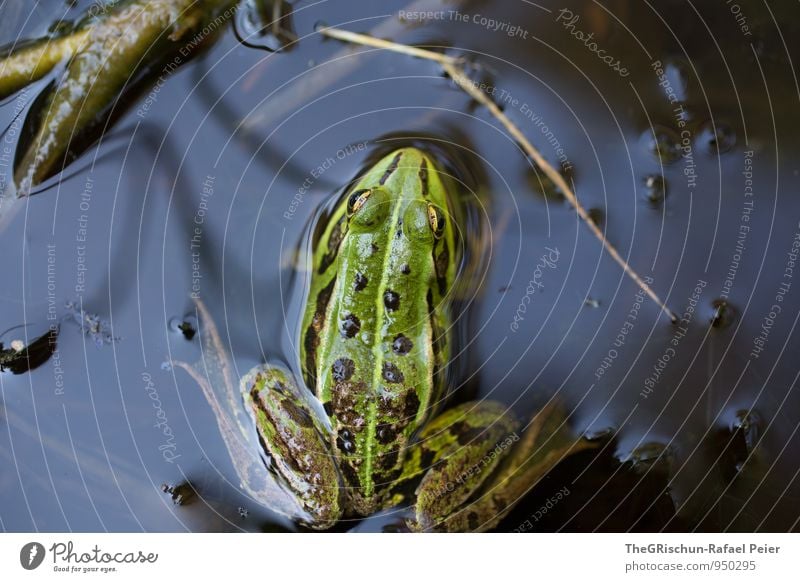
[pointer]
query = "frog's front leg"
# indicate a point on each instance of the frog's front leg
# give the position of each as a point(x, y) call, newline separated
point(294, 438)
point(480, 464)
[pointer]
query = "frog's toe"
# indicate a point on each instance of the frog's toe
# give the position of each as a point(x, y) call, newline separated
point(293, 436)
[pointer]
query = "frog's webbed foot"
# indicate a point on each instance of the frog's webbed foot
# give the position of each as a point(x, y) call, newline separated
point(106, 55)
point(215, 376)
point(294, 437)
point(481, 465)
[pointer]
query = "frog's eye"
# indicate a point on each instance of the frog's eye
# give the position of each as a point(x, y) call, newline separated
point(357, 200)
point(366, 209)
point(436, 221)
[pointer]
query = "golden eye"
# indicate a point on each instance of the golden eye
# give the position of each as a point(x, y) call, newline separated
point(436, 220)
point(357, 200)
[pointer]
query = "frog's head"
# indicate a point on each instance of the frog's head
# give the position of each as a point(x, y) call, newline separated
point(406, 190)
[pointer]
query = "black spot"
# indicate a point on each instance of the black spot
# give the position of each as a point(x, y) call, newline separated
point(385, 433)
point(426, 458)
point(423, 176)
point(441, 263)
point(344, 442)
point(374, 248)
point(342, 369)
point(391, 300)
point(412, 405)
point(466, 434)
point(388, 460)
point(392, 373)
point(328, 408)
point(297, 414)
point(392, 167)
point(405, 269)
point(360, 282)
point(350, 325)
point(349, 474)
point(439, 337)
point(472, 519)
point(402, 345)
point(311, 340)
point(335, 239)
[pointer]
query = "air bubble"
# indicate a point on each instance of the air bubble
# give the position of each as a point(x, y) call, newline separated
point(717, 138)
point(663, 143)
point(655, 189)
point(724, 313)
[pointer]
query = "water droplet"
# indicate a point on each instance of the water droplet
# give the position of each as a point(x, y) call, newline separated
point(716, 138)
point(663, 143)
point(655, 189)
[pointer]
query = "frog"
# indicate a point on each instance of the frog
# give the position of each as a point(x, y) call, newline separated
point(363, 428)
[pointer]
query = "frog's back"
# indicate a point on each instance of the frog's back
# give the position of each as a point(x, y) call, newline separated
point(375, 335)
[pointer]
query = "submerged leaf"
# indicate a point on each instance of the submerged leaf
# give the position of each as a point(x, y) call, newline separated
point(107, 56)
point(20, 359)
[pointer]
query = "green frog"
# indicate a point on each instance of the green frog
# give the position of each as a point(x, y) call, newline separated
point(374, 349)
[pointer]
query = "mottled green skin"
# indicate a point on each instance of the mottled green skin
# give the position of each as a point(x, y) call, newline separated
point(377, 363)
point(387, 247)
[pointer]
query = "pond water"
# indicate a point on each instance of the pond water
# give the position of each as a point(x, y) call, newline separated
point(675, 123)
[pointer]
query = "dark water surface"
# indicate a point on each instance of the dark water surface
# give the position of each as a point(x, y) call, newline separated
point(195, 190)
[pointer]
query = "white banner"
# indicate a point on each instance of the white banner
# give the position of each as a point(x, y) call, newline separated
point(400, 557)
